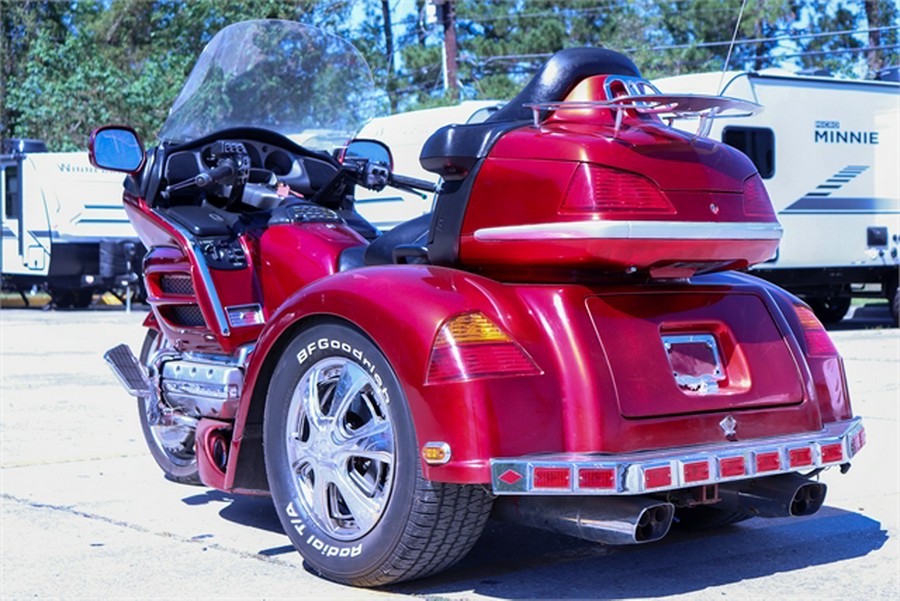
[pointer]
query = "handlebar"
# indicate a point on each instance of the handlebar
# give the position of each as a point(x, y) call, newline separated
point(402, 181)
point(376, 175)
point(225, 168)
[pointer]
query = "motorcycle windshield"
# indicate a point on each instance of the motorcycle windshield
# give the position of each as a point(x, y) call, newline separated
point(299, 81)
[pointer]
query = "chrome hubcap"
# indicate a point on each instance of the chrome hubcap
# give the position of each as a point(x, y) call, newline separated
point(340, 445)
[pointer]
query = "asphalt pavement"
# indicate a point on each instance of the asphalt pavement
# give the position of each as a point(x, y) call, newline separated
point(85, 513)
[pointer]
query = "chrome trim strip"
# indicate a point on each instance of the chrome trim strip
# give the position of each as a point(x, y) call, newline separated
point(515, 475)
point(632, 230)
point(203, 271)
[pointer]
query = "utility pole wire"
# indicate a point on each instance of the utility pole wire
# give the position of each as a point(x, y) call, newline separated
point(782, 38)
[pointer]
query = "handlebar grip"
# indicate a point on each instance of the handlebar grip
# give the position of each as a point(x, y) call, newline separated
point(225, 168)
point(411, 182)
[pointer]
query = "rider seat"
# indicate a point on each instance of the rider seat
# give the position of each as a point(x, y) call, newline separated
point(455, 151)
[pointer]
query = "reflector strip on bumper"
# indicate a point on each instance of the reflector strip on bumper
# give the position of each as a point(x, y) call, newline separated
point(669, 469)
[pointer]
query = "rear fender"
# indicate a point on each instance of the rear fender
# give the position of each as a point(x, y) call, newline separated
point(826, 373)
point(401, 309)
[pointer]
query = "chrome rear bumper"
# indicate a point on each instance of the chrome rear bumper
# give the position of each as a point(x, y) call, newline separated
point(670, 469)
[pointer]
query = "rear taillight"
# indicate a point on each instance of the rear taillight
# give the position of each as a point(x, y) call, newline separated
point(818, 342)
point(471, 346)
point(756, 199)
point(599, 189)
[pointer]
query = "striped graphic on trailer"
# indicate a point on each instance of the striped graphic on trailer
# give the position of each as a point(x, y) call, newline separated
point(823, 200)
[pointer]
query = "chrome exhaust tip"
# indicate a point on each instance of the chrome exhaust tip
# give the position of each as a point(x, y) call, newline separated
point(612, 521)
point(128, 370)
point(789, 495)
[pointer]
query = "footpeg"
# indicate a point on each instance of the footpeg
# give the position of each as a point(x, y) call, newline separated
point(128, 370)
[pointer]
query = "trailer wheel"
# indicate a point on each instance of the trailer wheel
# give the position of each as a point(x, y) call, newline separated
point(343, 467)
point(172, 446)
point(68, 298)
point(830, 309)
point(895, 307)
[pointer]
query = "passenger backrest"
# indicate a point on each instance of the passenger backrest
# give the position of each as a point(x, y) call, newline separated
point(455, 152)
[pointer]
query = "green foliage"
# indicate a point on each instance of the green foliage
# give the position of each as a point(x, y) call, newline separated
point(70, 66)
point(75, 66)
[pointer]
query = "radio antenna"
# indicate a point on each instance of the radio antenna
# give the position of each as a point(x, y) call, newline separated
point(731, 46)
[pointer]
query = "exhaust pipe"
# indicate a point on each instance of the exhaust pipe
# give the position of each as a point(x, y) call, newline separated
point(608, 520)
point(789, 495)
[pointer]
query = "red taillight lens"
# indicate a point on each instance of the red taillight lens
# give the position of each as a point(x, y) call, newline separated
point(656, 477)
point(729, 467)
point(696, 471)
point(769, 461)
point(818, 343)
point(800, 457)
point(471, 346)
point(599, 189)
point(597, 477)
point(756, 199)
point(552, 477)
point(832, 453)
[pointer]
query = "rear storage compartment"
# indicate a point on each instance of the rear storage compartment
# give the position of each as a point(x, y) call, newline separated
point(674, 353)
point(578, 196)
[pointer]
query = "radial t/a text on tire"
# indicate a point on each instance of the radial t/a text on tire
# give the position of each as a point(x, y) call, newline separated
point(343, 467)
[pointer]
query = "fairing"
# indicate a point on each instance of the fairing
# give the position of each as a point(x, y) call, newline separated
point(282, 76)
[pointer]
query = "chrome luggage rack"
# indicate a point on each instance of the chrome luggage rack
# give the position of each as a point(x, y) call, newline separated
point(666, 106)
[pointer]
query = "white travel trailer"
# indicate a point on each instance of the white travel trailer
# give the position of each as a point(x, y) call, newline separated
point(63, 225)
point(829, 152)
point(404, 133)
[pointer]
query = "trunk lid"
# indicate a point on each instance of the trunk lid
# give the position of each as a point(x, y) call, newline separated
point(676, 353)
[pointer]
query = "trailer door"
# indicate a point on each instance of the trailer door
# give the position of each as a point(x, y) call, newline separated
point(13, 250)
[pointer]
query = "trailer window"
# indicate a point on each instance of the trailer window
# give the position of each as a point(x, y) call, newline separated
point(758, 143)
point(11, 187)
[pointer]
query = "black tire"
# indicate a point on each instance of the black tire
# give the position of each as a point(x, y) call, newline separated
point(830, 309)
point(707, 517)
point(69, 298)
point(344, 472)
point(172, 448)
point(895, 307)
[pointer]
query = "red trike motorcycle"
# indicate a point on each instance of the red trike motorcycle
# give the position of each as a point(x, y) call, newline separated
point(566, 339)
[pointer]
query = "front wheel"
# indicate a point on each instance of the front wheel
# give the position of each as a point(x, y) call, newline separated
point(172, 444)
point(343, 467)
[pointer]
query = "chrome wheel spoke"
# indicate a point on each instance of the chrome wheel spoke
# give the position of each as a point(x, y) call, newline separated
point(373, 441)
point(319, 495)
point(351, 383)
point(365, 510)
point(312, 405)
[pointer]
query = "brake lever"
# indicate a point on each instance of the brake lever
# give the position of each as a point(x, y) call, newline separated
point(409, 190)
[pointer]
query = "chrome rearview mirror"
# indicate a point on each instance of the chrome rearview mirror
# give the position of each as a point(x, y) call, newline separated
point(372, 151)
point(116, 148)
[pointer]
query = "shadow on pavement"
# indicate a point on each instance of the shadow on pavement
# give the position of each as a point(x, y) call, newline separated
point(256, 512)
point(514, 562)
